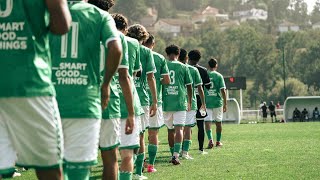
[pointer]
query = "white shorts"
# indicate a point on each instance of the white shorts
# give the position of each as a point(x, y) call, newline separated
point(30, 133)
point(214, 115)
point(81, 140)
point(130, 141)
point(191, 118)
point(145, 119)
point(109, 134)
point(156, 122)
point(174, 118)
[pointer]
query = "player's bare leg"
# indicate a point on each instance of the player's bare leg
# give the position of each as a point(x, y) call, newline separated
point(110, 164)
point(126, 167)
point(52, 174)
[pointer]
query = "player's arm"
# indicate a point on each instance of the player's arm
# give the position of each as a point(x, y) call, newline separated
point(152, 86)
point(60, 18)
point(206, 80)
point(202, 97)
point(111, 66)
point(224, 97)
point(189, 90)
point(125, 83)
point(165, 79)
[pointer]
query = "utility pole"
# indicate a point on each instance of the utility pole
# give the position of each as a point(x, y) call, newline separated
point(284, 76)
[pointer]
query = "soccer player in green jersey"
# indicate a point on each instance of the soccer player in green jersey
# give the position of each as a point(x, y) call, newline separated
point(191, 115)
point(176, 102)
point(81, 94)
point(139, 32)
point(30, 126)
point(112, 131)
point(216, 102)
point(156, 122)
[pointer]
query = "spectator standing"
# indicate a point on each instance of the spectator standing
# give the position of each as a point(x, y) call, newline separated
point(264, 110)
point(272, 109)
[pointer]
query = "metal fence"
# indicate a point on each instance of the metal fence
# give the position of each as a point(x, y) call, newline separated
point(256, 115)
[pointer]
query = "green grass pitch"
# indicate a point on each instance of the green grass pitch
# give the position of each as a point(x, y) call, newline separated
point(250, 151)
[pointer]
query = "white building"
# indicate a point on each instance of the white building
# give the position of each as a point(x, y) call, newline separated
point(288, 26)
point(253, 14)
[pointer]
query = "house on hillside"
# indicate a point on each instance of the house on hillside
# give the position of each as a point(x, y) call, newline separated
point(174, 26)
point(149, 19)
point(206, 14)
point(252, 14)
point(288, 26)
point(316, 25)
point(229, 24)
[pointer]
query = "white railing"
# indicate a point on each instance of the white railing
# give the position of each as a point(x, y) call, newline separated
point(256, 115)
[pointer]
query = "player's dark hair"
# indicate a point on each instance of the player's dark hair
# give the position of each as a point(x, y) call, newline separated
point(139, 32)
point(102, 4)
point(194, 55)
point(173, 49)
point(183, 55)
point(121, 21)
point(150, 40)
point(213, 63)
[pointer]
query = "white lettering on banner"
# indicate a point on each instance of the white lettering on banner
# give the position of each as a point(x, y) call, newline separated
point(9, 40)
point(70, 74)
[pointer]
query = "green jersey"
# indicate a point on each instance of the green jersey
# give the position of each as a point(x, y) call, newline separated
point(213, 95)
point(25, 64)
point(196, 78)
point(134, 66)
point(113, 109)
point(148, 66)
point(162, 69)
point(76, 61)
point(175, 94)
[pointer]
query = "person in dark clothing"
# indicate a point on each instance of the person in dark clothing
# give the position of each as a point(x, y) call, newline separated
point(315, 114)
point(296, 114)
point(194, 58)
point(264, 109)
point(305, 115)
point(272, 109)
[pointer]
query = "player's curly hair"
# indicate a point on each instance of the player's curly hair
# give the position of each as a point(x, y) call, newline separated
point(102, 4)
point(150, 40)
point(183, 55)
point(194, 55)
point(121, 21)
point(173, 49)
point(139, 32)
point(213, 63)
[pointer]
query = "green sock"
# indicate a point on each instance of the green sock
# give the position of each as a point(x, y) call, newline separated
point(125, 175)
point(186, 145)
point(218, 136)
point(177, 147)
point(209, 134)
point(171, 150)
point(139, 163)
point(76, 173)
point(134, 158)
point(152, 150)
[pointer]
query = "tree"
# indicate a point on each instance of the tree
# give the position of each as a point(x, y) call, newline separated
point(133, 10)
point(299, 12)
point(315, 15)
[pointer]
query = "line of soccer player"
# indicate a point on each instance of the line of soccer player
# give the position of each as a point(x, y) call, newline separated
point(110, 88)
